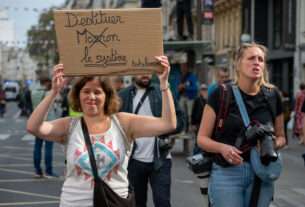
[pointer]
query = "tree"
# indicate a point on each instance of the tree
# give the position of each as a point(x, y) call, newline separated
point(42, 44)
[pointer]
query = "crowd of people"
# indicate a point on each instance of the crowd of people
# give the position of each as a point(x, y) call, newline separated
point(138, 120)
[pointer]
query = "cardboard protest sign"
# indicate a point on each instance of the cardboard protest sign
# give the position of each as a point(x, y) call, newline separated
point(109, 41)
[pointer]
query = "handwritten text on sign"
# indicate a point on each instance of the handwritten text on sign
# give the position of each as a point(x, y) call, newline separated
point(107, 42)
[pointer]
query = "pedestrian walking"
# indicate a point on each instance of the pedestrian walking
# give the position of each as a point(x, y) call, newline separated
point(303, 127)
point(298, 115)
point(188, 86)
point(25, 101)
point(151, 160)
point(110, 132)
point(37, 95)
point(233, 181)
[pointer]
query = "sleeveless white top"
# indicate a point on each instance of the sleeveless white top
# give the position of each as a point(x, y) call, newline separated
point(111, 150)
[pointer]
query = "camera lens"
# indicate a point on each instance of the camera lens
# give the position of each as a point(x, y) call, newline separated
point(268, 154)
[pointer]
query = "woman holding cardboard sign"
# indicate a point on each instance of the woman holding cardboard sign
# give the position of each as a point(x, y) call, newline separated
point(109, 131)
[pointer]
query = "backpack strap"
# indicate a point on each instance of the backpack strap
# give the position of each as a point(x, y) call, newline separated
point(269, 97)
point(225, 97)
point(140, 103)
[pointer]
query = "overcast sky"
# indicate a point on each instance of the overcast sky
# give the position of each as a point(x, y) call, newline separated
point(23, 18)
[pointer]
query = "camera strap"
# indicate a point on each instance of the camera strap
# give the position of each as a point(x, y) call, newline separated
point(242, 110)
point(268, 96)
point(241, 105)
point(246, 120)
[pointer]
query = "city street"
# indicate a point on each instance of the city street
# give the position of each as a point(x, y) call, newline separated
point(18, 187)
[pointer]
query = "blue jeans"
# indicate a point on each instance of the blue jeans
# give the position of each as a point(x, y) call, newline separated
point(140, 173)
point(232, 186)
point(47, 156)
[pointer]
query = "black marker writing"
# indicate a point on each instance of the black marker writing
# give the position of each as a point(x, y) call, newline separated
point(143, 63)
point(91, 39)
point(103, 60)
point(94, 18)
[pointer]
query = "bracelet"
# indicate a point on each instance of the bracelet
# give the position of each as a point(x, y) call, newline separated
point(164, 89)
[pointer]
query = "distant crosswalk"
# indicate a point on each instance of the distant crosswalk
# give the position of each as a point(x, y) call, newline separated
point(27, 137)
point(300, 191)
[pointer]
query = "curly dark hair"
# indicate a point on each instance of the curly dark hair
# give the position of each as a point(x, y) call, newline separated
point(112, 100)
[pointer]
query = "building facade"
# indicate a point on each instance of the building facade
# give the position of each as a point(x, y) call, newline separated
point(273, 24)
point(86, 4)
point(7, 37)
point(227, 31)
point(16, 64)
point(299, 57)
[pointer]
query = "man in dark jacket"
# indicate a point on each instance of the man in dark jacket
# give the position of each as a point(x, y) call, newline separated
point(150, 160)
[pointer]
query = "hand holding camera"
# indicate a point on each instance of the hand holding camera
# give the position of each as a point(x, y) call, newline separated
point(231, 154)
point(264, 133)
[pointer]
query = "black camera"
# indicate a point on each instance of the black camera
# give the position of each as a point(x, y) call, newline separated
point(166, 143)
point(200, 163)
point(263, 133)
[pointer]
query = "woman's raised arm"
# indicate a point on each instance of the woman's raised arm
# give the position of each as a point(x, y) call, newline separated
point(51, 130)
point(144, 126)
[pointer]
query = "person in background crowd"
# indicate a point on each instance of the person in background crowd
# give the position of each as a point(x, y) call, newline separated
point(112, 132)
point(222, 76)
point(150, 162)
point(64, 101)
point(197, 111)
point(2, 101)
point(25, 101)
point(287, 112)
point(118, 83)
point(184, 9)
point(298, 121)
point(37, 95)
point(232, 177)
point(66, 109)
point(151, 3)
point(187, 87)
point(303, 128)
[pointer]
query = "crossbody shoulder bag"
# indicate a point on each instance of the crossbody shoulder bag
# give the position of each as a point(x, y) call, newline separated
point(103, 195)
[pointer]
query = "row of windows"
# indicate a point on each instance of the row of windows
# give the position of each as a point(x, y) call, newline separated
point(274, 23)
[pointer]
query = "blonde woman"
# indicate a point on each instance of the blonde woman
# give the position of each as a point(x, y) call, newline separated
point(232, 178)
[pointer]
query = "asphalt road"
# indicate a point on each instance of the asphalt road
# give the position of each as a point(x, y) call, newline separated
point(18, 187)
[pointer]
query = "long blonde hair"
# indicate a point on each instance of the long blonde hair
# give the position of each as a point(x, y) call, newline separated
point(264, 80)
